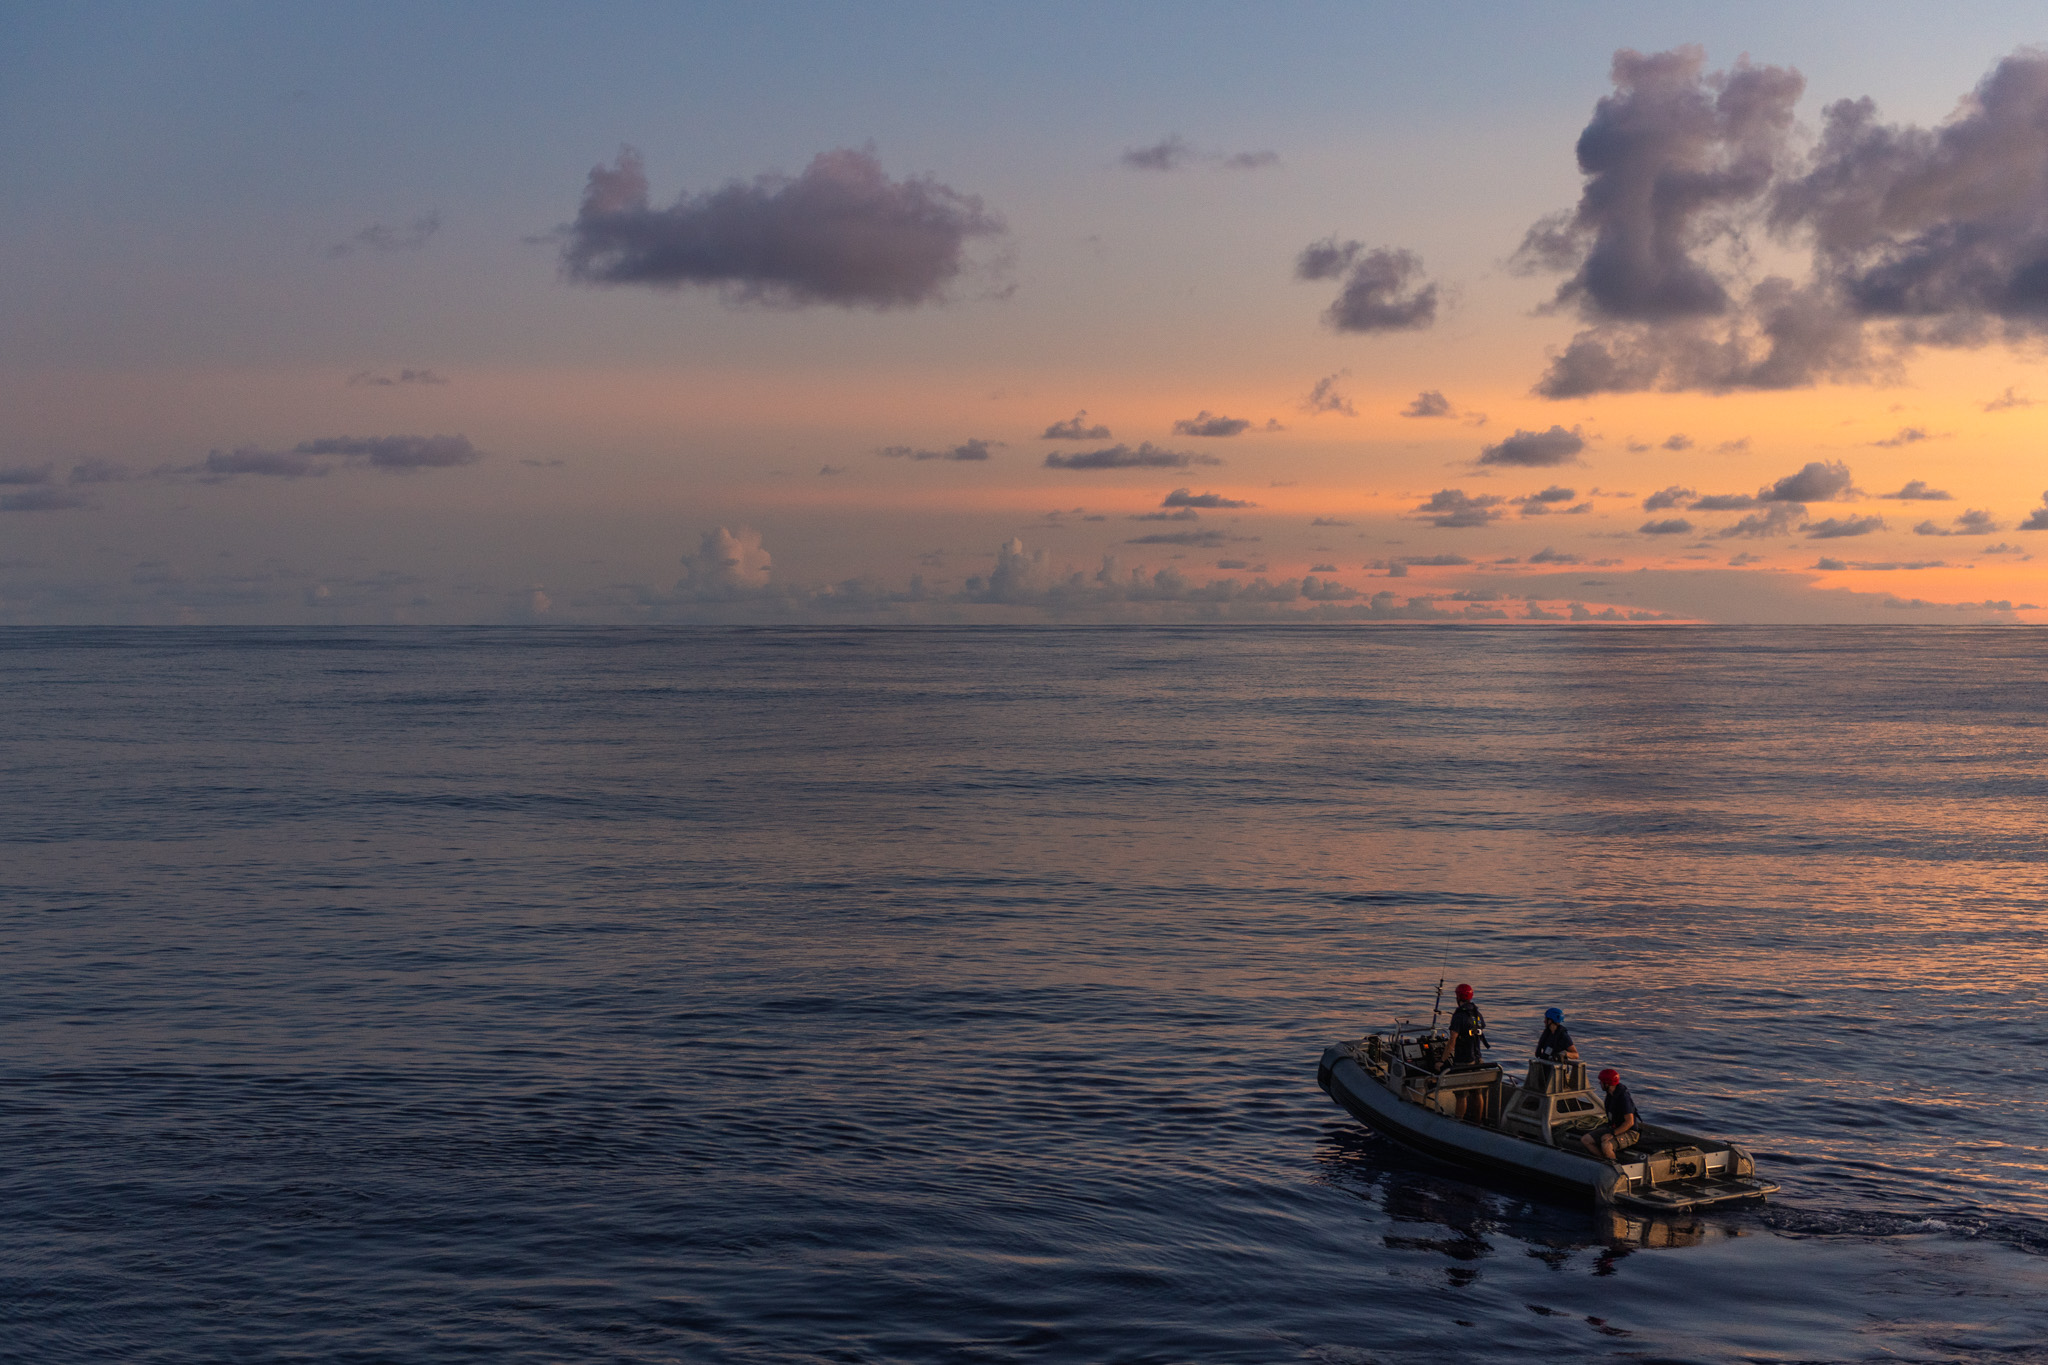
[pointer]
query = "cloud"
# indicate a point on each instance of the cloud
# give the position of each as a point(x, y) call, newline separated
point(1674, 496)
point(396, 452)
point(42, 500)
point(1779, 519)
point(1184, 514)
point(381, 237)
point(1724, 502)
point(826, 471)
point(1827, 565)
point(1546, 555)
point(1834, 528)
point(1918, 491)
point(1678, 441)
point(1433, 561)
point(841, 233)
point(1075, 428)
point(1970, 523)
point(1450, 508)
point(1428, 403)
point(1531, 449)
point(1324, 397)
point(1674, 526)
point(1329, 521)
point(1175, 153)
point(1203, 424)
point(974, 449)
point(1202, 539)
point(1384, 289)
point(284, 464)
point(23, 475)
point(1815, 482)
point(2037, 520)
point(1928, 236)
point(372, 379)
point(727, 565)
point(1906, 436)
point(1180, 497)
point(1146, 456)
point(100, 471)
point(2008, 400)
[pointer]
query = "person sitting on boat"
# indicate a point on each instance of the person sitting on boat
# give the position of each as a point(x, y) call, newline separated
point(1622, 1128)
point(1468, 1037)
point(1554, 1044)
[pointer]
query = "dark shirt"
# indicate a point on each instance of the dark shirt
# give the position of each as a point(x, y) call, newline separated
point(1468, 1034)
point(1555, 1042)
point(1621, 1105)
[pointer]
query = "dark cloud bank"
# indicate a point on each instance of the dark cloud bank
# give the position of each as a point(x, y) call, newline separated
point(841, 233)
point(1915, 236)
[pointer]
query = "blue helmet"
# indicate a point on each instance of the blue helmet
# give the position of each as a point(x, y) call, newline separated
point(1554, 1015)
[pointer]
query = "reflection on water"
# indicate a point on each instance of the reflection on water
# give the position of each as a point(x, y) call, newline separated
point(921, 995)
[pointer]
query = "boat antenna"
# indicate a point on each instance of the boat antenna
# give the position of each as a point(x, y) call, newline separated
point(1439, 1004)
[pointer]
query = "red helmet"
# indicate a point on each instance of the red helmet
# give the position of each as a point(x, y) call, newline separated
point(1464, 992)
point(1610, 1078)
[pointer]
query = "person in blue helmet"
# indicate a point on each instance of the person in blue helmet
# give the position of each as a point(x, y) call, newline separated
point(1554, 1044)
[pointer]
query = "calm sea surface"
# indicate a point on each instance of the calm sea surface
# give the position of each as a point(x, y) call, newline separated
point(955, 995)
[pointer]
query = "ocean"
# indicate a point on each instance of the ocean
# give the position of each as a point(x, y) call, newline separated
point(920, 995)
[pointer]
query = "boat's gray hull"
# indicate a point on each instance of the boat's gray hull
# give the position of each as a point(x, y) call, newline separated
point(1453, 1140)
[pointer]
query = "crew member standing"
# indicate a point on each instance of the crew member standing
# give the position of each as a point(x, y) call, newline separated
point(1554, 1044)
point(1468, 1036)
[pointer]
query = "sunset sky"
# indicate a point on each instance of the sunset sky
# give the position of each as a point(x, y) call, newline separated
point(364, 313)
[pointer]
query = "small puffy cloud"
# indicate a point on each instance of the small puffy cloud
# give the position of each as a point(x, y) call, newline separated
point(1672, 526)
point(1322, 568)
point(1181, 497)
point(1674, 496)
point(1974, 522)
point(2037, 520)
point(1175, 153)
point(42, 500)
point(726, 566)
point(1535, 449)
point(397, 453)
point(372, 379)
point(1325, 397)
point(25, 475)
point(1827, 565)
point(1779, 519)
point(827, 471)
point(1451, 508)
point(1546, 555)
point(1076, 428)
point(1184, 514)
point(1725, 502)
point(1384, 289)
point(1433, 561)
point(1917, 490)
point(840, 233)
point(1428, 403)
point(969, 451)
point(1834, 528)
point(1204, 423)
point(1678, 441)
point(2007, 401)
point(1146, 456)
point(1329, 521)
point(2005, 548)
point(381, 237)
point(1905, 436)
point(1815, 482)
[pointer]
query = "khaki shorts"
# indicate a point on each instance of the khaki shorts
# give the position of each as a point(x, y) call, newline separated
point(1622, 1141)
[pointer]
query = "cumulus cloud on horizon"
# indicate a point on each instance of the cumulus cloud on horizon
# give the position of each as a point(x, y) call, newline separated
point(840, 233)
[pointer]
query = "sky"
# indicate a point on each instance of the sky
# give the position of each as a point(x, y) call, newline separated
point(612, 313)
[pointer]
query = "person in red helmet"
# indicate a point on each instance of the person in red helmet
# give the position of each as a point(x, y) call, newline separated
point(1623, 1128)
point(1468, 1037)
